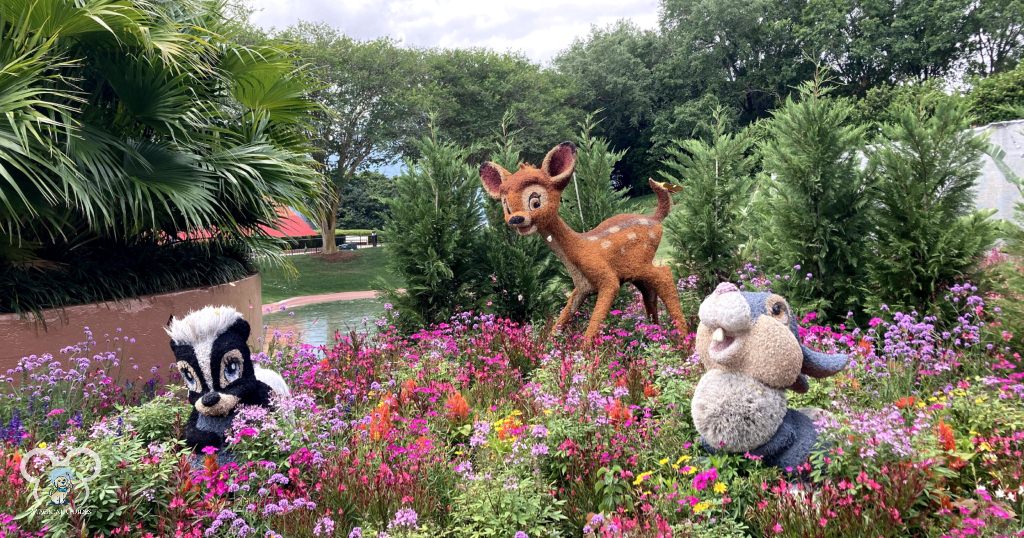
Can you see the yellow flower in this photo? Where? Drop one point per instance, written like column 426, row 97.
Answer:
column 662, row 461
column 701, row 506
column 690, row 470
column 720, row 488
column 682, row 459
column 641, row 477
column 984, row 446
column 42, row 444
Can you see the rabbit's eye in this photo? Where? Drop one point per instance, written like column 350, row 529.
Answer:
column 776, row 309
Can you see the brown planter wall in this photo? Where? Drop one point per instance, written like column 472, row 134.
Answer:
column 142, row 318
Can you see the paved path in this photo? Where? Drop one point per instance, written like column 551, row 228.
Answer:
column 319, row 298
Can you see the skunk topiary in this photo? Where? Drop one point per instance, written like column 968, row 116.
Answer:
column 213, row 358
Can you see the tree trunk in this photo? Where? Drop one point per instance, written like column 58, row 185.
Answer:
column 328, row 221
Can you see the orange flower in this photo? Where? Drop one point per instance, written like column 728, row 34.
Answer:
column 380, row 420
column 906, row 402
column 865, row 347
column 946, row 438
column 650, row 390
column 456, row 407
column 408, row 389
column 508, row 428
column 617, row 412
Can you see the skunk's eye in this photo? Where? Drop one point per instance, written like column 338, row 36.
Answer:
column 189, row 376
column 231, row 367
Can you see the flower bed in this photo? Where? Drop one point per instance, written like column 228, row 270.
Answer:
column 482, row 427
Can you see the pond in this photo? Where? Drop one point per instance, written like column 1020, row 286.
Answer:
column 315, row 324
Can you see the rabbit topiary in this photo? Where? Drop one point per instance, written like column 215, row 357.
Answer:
column 750, row 348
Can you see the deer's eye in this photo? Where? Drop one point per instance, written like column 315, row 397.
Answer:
column 535, row 202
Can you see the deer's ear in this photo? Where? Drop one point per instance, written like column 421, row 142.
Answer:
column 491, row 175
column 559, row 163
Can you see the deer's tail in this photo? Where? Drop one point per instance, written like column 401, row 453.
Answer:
column 664, row 193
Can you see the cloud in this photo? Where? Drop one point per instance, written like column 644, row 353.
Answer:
column 537, row 28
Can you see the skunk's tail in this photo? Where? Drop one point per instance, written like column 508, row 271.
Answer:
column 664, row 193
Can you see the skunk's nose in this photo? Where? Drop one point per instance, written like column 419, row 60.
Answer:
column 211, row 399
column 516, row 220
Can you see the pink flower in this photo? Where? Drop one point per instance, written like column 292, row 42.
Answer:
column 777, row 529
column 54, row 413
column 875, row 322
column 248, row 432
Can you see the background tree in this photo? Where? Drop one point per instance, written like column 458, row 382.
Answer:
column 816, row 205
column 926, row 229
column 363, row 200
column 433, row 234
column 614, row 70
column 998, row 35
column 471, row 90
column 998, row 97
column 591, row 197
column 706, row 229
column 370, row 106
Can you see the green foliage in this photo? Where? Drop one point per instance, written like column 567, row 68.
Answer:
column 706, row 229
column 815, row 209
column 104, row 270
column 160, row 419
column 521, row 269
column 591, row 197
column 998, row 97
column 927, row 232
column 434, row 228
column 362, row 200
column 471, row 91
column 134, row 120
column 880, row 102
column 369, row 103
column 503, row 504
column 124, row 488
column 614, row 70
column 998, row 28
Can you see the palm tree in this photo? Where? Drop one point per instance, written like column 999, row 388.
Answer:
column 128, row 121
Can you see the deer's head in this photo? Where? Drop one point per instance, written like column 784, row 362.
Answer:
column 530, row 197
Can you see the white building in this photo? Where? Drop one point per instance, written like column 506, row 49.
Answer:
column 994, row 191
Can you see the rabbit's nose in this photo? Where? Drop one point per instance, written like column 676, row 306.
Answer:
column 725, row 309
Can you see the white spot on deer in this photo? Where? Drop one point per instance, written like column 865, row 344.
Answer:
column 614, row 230
column 606, row 244
column 653, row 236
column 631, row 236
column 592, row 238
column 645, row 222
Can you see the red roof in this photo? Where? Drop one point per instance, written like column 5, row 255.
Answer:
column 289, row 224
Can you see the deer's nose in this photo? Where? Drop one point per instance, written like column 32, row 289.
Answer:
column 516, row 220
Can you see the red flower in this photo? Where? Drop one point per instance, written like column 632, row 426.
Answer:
column 617, row 412
column 906, row 402
column 456, row 408
column 946, row 438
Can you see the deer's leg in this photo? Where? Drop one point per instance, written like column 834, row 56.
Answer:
column 665, row 286
column 605, row 296
column 576, row 299
column 650, row 299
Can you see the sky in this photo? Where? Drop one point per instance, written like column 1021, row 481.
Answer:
column 537, row 28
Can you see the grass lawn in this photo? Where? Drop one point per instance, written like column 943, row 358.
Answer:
column 346, row 271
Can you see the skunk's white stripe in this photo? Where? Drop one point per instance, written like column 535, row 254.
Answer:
column 203, row 350
column 273, row 380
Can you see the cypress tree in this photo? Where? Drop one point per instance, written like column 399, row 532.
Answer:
column 591, row 197
column 706, row 227
column 927, row 231
column 433, row 234
column 816, row 202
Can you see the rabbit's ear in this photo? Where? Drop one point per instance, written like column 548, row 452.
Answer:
column 822, row 364
column 800, row 385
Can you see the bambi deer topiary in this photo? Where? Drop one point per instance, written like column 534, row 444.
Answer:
column 620, row 249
